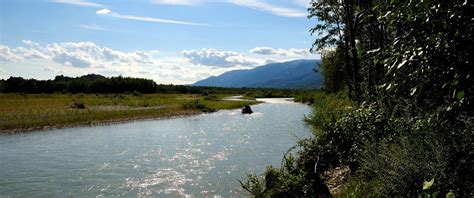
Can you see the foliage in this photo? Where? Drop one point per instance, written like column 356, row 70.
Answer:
column 328, row 108
column 211, row 97
column 135, row 86
column 408, row 67
column 84, row 84
column 27, row 112
column 273, row 93
column 333, row 70
column 197, row 105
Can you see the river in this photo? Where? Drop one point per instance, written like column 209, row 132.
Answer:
column 197, row 156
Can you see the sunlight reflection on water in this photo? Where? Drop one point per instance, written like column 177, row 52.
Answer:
column 196, row 156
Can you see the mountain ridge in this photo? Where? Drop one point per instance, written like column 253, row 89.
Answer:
column 290, row 74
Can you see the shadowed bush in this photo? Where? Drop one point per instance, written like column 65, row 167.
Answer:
column 197, row 105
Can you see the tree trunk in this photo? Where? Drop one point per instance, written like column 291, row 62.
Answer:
column 352, row 43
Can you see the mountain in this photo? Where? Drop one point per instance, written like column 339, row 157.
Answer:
column 292, row 74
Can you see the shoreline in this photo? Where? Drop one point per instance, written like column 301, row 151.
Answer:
column 31, row 113
column 170, row 115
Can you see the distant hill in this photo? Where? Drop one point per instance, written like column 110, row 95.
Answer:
column 292, row 74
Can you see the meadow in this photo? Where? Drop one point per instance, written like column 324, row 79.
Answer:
column 31, row 112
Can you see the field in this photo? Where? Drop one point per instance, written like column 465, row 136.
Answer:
column 30, row 112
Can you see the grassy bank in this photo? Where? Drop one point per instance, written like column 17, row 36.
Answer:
column 29, row 112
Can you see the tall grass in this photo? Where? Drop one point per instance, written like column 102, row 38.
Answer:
column 21, row 112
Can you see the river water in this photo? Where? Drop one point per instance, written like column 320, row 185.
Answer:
column 196, row 156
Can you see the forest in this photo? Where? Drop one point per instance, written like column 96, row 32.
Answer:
column 98, row 84
column 397, row 115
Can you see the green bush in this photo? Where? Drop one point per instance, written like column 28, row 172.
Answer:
column 136, row 93
column 197, row 105
column 211, row 97
column 390, row 153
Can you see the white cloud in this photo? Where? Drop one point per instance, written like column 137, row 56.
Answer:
column 30, row 43
column 103, row 11
column 268, row 51
column 88, row 54
column 80, row 58
column 281, row 52
column 28, row 53
column 92, row 27
column 145, row 19
column 80, row 54
column 213, row 57
column 78, row 3
column 301, row 52
column 267, row 7
column 8, row 55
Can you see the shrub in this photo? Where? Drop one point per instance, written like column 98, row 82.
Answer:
column 390, row 153
column 136, row 93
column 197, row 105
column 211, row 97
column 394, row 155
column 77, row 104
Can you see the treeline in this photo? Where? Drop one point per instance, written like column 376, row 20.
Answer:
column 406, row 126
column 84, row 84
column 93, row 83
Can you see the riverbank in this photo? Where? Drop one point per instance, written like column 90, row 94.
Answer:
column 33, row 112
column 202, row 155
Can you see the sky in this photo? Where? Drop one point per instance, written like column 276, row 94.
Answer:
column 169, row 41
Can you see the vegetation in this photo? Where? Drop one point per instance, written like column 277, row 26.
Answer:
column 403, row 122
column 93, row 83
column 30, row 104
column 26, row 112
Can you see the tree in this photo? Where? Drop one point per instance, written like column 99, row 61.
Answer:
column 332, row 70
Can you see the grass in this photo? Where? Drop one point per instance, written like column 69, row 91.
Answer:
column 29, row 112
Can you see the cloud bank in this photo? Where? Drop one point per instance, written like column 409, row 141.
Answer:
column 213, row 57
column 80, row 58
column 6, row 54
column 281, row 52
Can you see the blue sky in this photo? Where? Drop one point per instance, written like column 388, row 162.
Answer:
column 169, row 41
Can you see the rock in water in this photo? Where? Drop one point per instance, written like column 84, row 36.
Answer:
column 247, row 110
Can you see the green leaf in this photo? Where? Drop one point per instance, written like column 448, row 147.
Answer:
column 426, row 4
column 456, row 82
column 450, row 194
column 427, row 184
column 460, row 95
